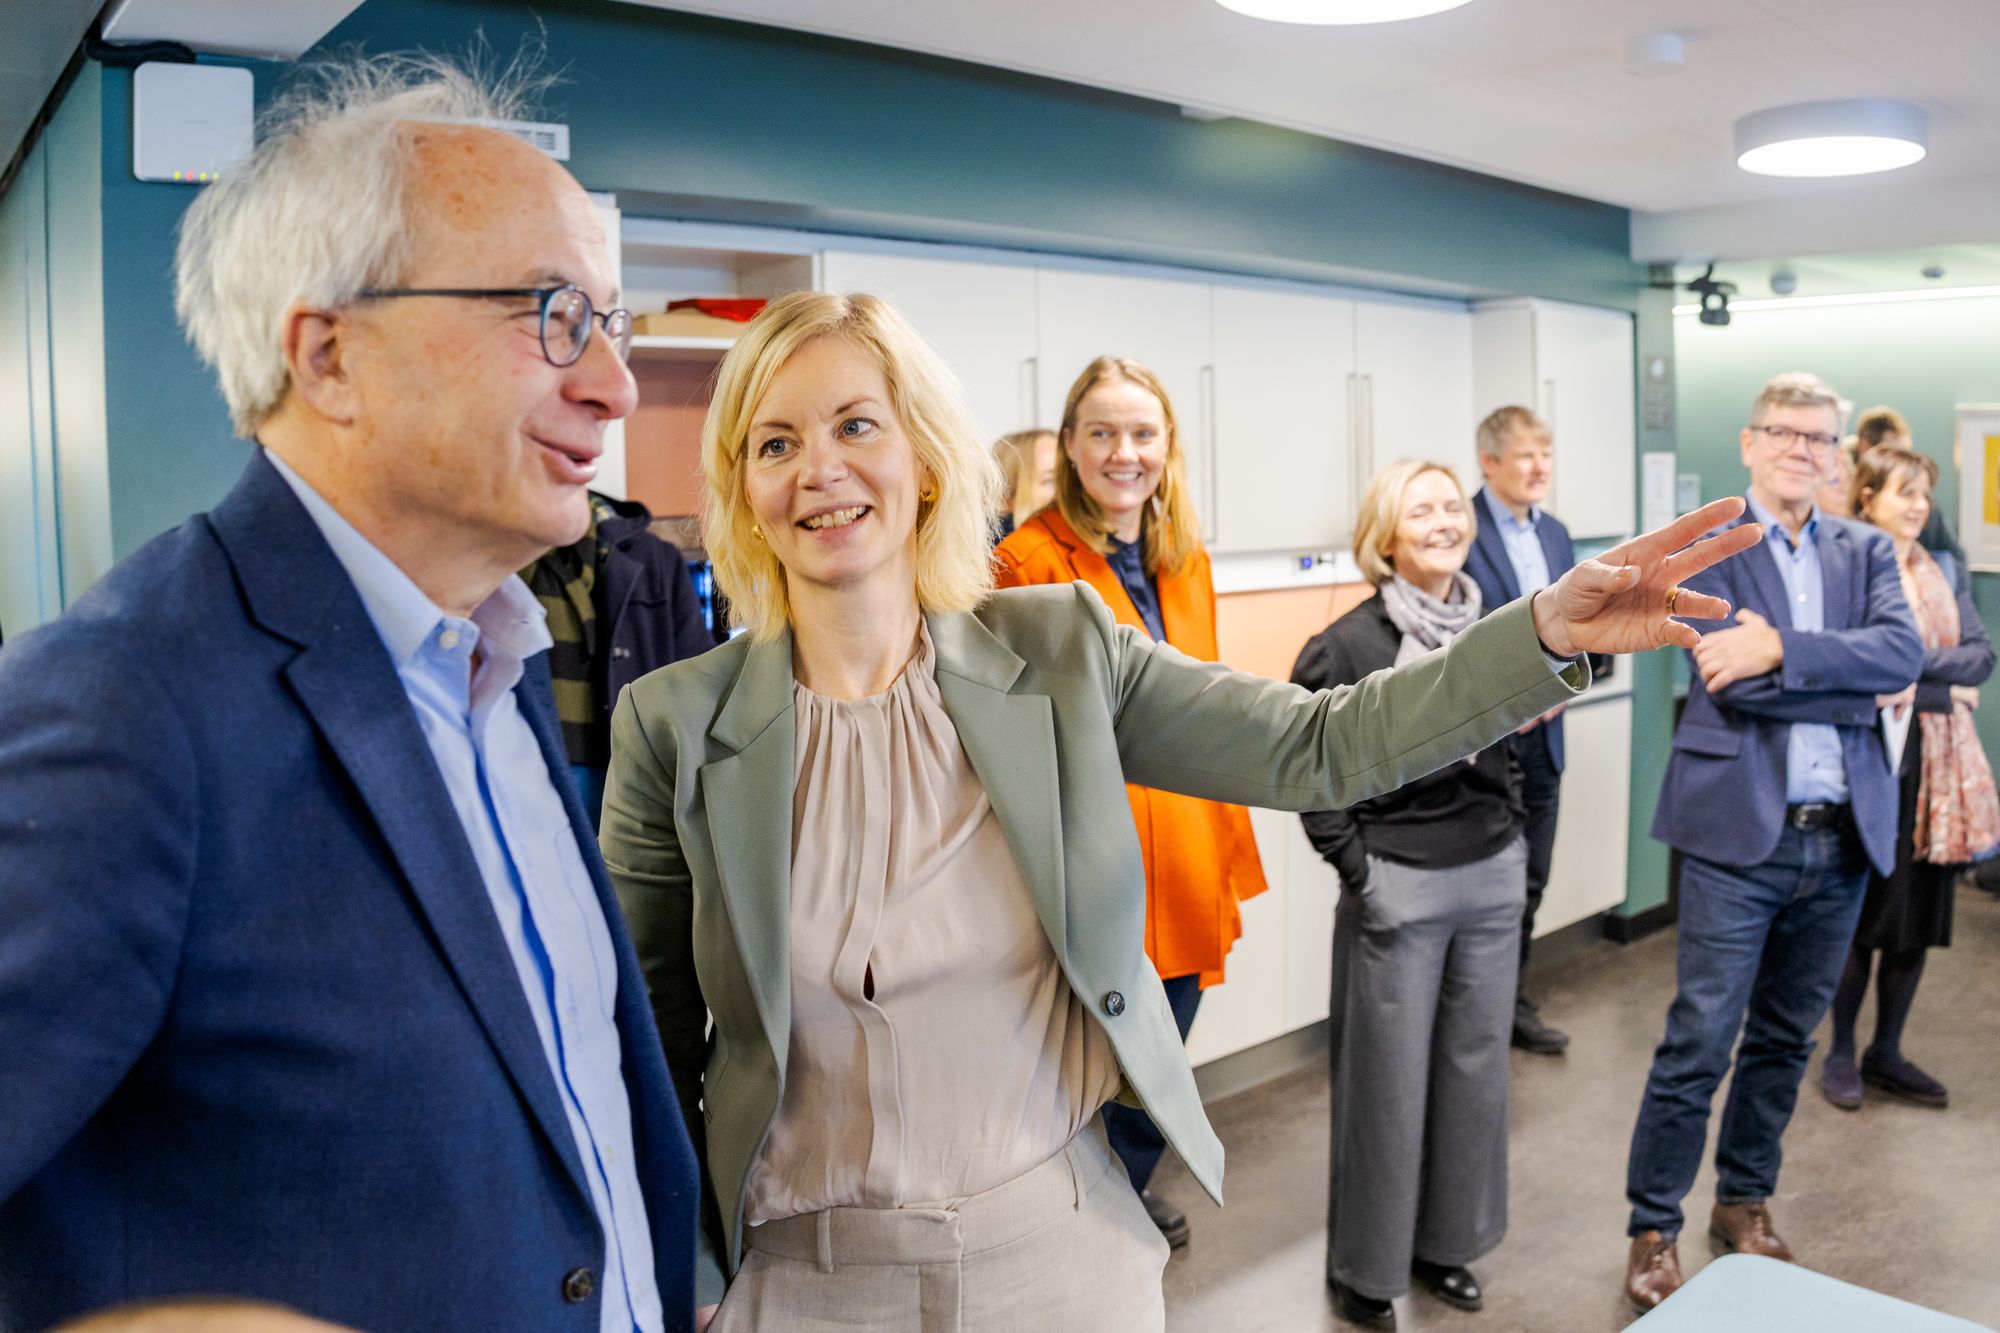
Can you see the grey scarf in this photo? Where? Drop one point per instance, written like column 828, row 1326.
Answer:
column 1426, row 622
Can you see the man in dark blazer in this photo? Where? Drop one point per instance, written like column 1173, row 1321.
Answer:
column 1518, row 548
column 1779, row 795
column 312, row 986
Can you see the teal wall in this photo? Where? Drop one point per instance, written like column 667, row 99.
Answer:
column 690, row 117
column 1652, row 673
column 1920, row 357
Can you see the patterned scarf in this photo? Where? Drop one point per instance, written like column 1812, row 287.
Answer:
column 1958, row 812
column 563, row 581
column 1426, row 622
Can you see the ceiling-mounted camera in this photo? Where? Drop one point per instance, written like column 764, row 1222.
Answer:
column 1714, row 297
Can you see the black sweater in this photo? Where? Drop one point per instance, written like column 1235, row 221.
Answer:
column 1464, row 812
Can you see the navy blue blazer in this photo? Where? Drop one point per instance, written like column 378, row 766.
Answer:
column 1490, row 568
column 1723, row 796
column 260, row 1033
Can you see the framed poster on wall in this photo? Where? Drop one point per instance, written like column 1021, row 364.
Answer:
column 1978, row 454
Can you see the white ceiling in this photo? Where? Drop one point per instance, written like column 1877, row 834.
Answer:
column 1531, row 90
column 227, row 27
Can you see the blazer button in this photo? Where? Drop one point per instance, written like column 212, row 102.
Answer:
column 578, row 1284
column 1114, row 1003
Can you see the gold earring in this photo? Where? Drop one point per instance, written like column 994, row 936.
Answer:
column 757, row 532
column 927, row 494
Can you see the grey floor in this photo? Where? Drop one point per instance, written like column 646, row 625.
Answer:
column 1899, row 1198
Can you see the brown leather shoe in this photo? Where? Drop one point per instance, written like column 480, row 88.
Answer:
column 1652, row 1270
column 1745, row 1228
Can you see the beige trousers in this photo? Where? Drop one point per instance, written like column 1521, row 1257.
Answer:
column 1065, row 1246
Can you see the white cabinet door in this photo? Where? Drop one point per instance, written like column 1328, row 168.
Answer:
column 1415, row 369
column 1585, row 367
column 1282, row 377
column 1250, row 1006
column 981, row 317
column 1162, row 323
column 1592, row 828
column 1574, row 365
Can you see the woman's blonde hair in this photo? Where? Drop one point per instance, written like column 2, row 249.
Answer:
column 1382, row 510
column 954, row 557
column 1172, row 535
column 1015, row 453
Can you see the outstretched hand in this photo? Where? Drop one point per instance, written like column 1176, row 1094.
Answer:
column 1617, row 603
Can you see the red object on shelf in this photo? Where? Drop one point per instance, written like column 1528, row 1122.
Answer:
column 742, row 309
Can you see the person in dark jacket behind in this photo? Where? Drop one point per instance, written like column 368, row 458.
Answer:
column 620, row 604
column 1426, row 941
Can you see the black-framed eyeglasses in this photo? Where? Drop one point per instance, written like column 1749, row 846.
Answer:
column 1818, row 442
column 567, row 316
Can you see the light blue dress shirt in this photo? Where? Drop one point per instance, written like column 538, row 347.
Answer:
column 1815, row 767
column 533, row 873
column 1524, row 546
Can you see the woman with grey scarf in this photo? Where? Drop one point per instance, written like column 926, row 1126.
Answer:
column 1426, row 940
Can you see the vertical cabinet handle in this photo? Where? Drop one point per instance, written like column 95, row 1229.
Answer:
column 1212, row 498
column 1353, row 443
column 1031, row 393
column 1368, row 428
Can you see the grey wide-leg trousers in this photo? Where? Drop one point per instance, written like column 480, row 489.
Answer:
column 1424, row 965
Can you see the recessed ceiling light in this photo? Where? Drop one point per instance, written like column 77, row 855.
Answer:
column 1339, row 11
column 1849, row 137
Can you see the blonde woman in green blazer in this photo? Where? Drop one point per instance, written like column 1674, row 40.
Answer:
column 893, row 1096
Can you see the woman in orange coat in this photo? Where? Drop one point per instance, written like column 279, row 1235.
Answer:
column 1123, row 522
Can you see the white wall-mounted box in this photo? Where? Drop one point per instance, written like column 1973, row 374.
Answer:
column 190, row 123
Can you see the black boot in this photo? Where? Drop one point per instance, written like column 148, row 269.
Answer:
column 1532, row 1034
column 1453, row 1284
column 1365, row 1311
column 1171, row 1221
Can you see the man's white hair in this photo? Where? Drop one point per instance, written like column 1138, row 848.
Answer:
column 315, row 214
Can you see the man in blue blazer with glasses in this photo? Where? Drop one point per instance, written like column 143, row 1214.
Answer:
column 1780, row 796
column 312, row 986
column 1518, row 548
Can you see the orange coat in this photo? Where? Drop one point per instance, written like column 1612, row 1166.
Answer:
column 1201, row 859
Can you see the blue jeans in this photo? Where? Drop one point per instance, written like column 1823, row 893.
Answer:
column 1766, row 940
column 1134, row 1137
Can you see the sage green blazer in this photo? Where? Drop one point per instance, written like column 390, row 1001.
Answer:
column 1058, row 708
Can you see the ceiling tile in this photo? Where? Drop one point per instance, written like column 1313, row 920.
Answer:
column 1534, row 90
column 1945, row 48
column 1729, row 74
column 1062, row 37
column 1293, row 75
column 811, row 15
column 1511, row 33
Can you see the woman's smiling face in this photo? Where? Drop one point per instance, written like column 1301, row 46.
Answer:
column 1119, row 446
column 830, row 474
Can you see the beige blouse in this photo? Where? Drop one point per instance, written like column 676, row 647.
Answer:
column 936, row 1050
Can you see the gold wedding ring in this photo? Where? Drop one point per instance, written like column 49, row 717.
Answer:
column 1673, row 596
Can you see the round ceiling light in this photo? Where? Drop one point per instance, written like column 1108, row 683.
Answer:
column 1849, row 137
column 1339, row 11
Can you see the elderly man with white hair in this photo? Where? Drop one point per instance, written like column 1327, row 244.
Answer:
column 312, row 987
